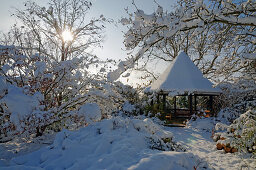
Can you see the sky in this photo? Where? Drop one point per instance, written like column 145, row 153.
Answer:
column 114, row 9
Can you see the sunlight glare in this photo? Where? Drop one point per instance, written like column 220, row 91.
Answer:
column 67, row 35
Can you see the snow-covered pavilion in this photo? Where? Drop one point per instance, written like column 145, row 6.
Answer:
column 183, row 78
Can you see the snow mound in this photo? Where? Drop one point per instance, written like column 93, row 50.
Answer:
column 91, row 112
column 166, row 160
column 201, row 123
column 117, row 143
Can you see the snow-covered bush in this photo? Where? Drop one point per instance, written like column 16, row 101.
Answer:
column 128, row 107
column 61, row 88
column 240, row 135
column 240, row 92
column 21, row 113
column 25, row 114
column 91, row 112
column 130, row 110
column 236, row 99
column 58, row 82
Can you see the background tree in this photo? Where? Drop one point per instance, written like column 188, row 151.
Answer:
column 58, row 39
column 63, row 29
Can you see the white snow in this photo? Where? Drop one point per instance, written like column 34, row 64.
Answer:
column 126, row 143
column 128, row 107
column 198, row 141
column 202, row 123
column 117, row 143
column 91, row 112
column 183, row 76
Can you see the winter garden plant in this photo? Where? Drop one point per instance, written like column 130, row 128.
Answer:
column 240, row 135
column 39, row 80
column 236, row 98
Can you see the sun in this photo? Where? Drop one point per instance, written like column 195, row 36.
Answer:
column 67, row 35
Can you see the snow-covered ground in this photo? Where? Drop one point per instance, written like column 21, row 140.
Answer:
column 124, row 143
column 200, row 143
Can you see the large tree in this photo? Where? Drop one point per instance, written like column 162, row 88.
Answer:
column 218, row 34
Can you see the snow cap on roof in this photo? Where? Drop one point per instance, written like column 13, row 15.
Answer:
column 182, row 76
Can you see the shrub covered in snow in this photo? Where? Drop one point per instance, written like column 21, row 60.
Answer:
column 130, row 110
column 91, row 112
column 128, row 107
column 52, row 92
column 24, row 114
column 20, row 112
column 61, row 83
column 240, row 135
column 236, row 99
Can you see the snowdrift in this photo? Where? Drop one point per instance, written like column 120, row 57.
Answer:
column 116, row 143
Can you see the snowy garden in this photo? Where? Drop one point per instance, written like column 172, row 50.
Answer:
column 62, row 107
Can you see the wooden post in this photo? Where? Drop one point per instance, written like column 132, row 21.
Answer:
column 164, row 102
column 211, row 104
column 190, row 104
column 158, row 101
column 175, row 105
column 195, row 102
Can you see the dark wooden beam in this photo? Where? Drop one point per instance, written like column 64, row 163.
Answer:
column 164, row 102
column 158, row 101
column 195, row 102
column 175, row 106
column 190, row 104
column 211, row 104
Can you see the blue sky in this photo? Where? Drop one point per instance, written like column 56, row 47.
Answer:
column 114, row 9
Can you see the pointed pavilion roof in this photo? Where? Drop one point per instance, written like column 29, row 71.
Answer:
column 182, row 76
